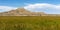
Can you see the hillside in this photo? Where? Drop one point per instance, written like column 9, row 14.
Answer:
column 21, row 12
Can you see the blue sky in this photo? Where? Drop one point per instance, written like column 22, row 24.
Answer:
column 14, row 3
column 17, row 3
column 43, row 5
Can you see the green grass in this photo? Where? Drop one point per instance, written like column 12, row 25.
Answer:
column 29, row 23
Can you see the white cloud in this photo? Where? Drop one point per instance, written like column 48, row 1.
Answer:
column 42, row 7
column 6, row 8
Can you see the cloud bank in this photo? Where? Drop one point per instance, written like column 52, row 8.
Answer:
column 6, row 8
column 43, row 7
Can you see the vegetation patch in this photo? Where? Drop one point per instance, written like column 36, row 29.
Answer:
column 29, row 23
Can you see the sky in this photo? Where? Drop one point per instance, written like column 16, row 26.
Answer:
column 47, row 6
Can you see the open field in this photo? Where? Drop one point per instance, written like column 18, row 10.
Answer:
column 29, row 23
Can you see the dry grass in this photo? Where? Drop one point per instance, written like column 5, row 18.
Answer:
column 29, row 23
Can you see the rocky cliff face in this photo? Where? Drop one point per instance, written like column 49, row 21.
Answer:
column 21, row 12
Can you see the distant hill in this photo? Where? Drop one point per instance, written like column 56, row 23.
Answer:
column 24, row 12
column 21, row 12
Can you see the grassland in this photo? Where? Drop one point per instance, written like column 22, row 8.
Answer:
column 29, row 23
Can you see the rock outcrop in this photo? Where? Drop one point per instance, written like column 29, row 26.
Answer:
column 21, row 12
